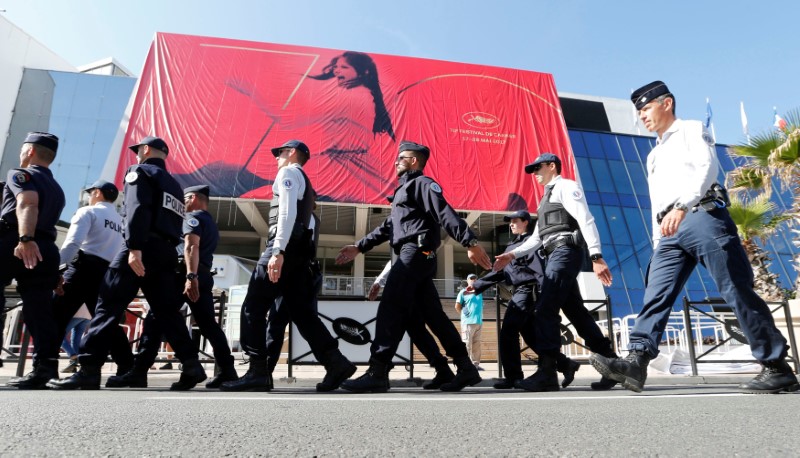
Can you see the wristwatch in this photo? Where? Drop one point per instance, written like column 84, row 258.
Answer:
column 191, row 276
column 680, row 206
column 25, row 238
column 472, row 243
column 277, row 251
column 596, row 257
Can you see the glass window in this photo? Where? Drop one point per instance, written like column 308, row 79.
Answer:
column 617, row 225
column 587, row 177
column 576, row 140
column 632, row 274
column 620, row 176
column 610, row 147
column 602, row 175
column 593, row 146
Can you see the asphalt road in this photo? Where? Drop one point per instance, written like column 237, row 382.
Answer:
column 707, row 420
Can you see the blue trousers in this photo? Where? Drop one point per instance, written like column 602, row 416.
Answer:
column 709, row 239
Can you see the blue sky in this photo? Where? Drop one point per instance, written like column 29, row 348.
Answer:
column 729, row 51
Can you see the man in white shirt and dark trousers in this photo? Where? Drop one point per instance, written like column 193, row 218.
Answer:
column 691, row 225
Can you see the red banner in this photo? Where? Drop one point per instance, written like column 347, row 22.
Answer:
column 222, row 104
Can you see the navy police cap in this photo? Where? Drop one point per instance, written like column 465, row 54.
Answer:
column 296, row 144
column 406, row 145
column 546, row 157
column 648, row 92
column 521, row 214
column 49, row 141
column 199, row 189
column 152, row 142
column 109, row 189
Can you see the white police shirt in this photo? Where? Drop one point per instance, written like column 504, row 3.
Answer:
column 289, row 186
column 569, row 194
column 681, row 168
column 95, row 229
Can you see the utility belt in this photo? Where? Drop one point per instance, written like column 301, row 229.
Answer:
column 715, row 198
column 528, row 284
column 159, row 236
column 201, row 268
column 422, row 243
column 7, row 228
column 563, row 239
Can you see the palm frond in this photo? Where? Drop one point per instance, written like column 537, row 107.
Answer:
column 754, row 217
column 749, row 177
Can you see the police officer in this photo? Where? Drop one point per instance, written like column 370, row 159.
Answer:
column 93, row 240
column 418, row 211
column 32, row 203
column 691, row 225
column 153, row 217
column 564, row 226
column 525, row 275
column 200, row 239
column 284, row 282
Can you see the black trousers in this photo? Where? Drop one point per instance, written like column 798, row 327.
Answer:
column 203, row 314
column 82, row 281
column 410, row 296
column 516, row 323
column 35, row 286
column 120, row 286
column 292, row 298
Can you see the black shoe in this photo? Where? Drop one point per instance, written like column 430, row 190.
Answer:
column 227, row 375
column 84, row 379
column 192, row 374
column 568, row 370
column 774, row 378
column 604, row 384
column 166, row 367
column 257, row 378
column 338, row 369
column 544, row 379
column 375, row 380
column 505, row 384
column 466, row 375
column 38, row 378
column 131, row 379
column 443, row 375
column 631, row 372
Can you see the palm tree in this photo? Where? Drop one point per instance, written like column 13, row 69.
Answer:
column 773, row 154
column 755, row 218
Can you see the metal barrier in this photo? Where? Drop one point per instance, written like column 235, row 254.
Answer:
column 730, row 326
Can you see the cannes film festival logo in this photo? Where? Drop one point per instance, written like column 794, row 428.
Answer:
column 481, row 120
column 351, row 331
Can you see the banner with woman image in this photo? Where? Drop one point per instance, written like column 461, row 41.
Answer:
column 222, row 104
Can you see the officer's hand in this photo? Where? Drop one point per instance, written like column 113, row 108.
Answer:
column 373, row 292
column 60, row 286
column 469, row 289
column 192, row 290
column 135, row 261
column 274, row 268
column 477, row 255
column 670, row 223
column 29, row 253
column 502, row 260
column 346, row 254
column 602, row 271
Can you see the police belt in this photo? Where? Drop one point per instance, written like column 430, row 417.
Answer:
column 557, row 242
column 159, row 236
column 7, row 228
column 529, row 284
column 711, row 201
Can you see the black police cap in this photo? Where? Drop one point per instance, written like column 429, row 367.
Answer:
column 152, row 142
column 110, row 191
column 296, row 144
column 546, row 157
column 648, row 92
column 406, row 145
column 49, row 141
column 521, row 214
column 199, row 189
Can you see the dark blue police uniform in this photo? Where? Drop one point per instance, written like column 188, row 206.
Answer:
column 36, row 285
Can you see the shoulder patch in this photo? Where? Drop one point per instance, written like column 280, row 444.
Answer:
column 21, row 177
column 707, row 138
column 577, row 194
column 287, row 183
column 131, row 177
column 193, row 222
column 436, row 188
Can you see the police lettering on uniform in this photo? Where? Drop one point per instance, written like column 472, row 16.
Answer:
column 564, row 226
column 284, row 281
column 152, row 229
column 691, row 225
column 93, row 240
column 32, row 203
column 419, row 210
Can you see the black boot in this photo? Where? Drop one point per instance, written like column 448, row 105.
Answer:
column 375, row 380
column 87, row 378
column 567, row 367
column 38, row 378
column 338, row 369
column 443, row 375
column 192, row 373
column 545, row 378
column 134, row 378
column 257, row 378
column 776, row 376
column 466, row 375
column 227, row 373
column 506, row 384
column 631, row 371
column 604, row 384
